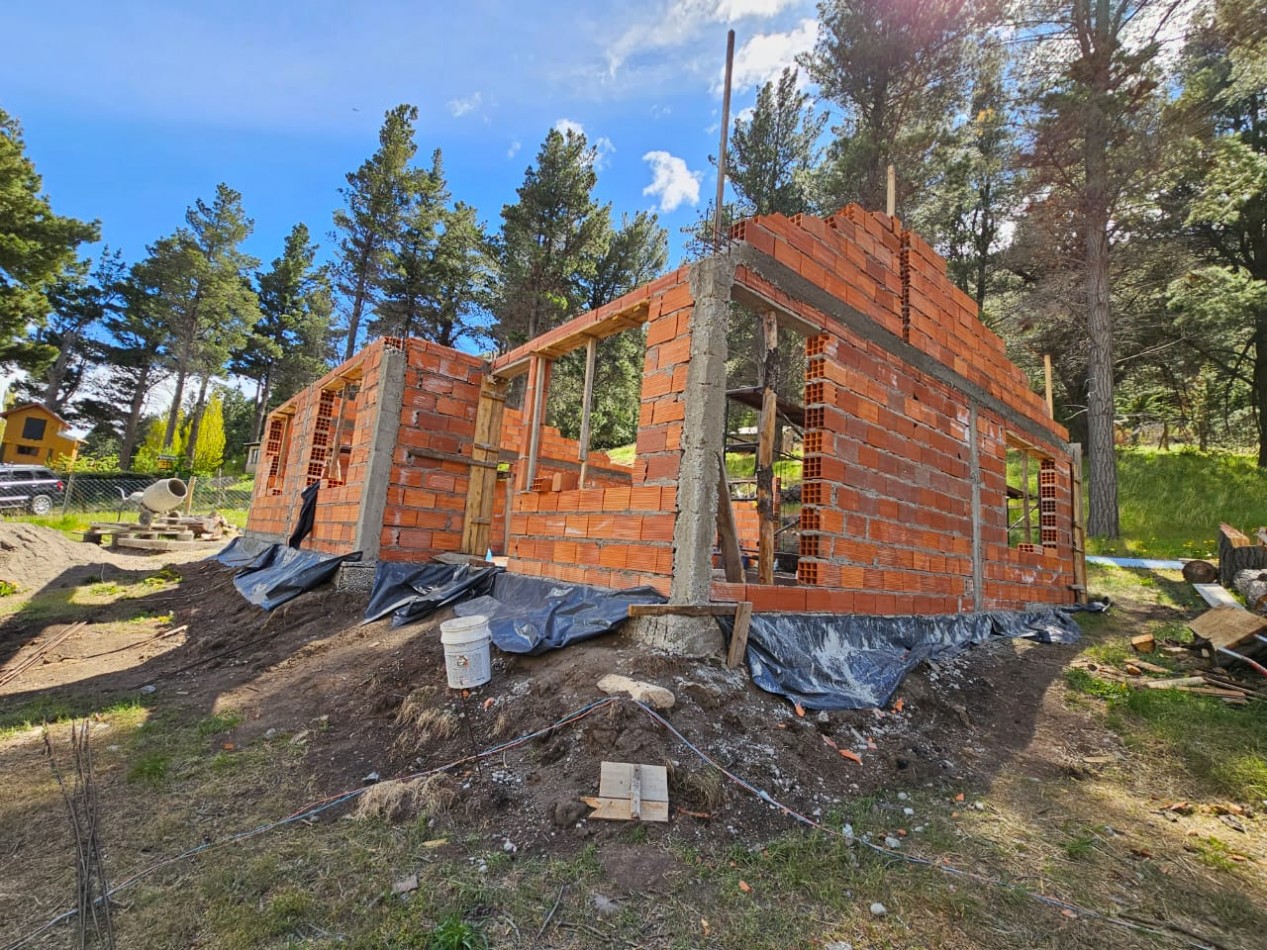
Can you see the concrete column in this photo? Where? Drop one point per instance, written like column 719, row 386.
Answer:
column 386, row 425
column 703, row 431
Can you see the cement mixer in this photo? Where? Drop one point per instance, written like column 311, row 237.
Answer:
column 160, row 498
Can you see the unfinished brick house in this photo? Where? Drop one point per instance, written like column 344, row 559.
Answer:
column 911, row 411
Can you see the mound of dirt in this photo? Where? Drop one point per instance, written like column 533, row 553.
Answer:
column 32, row 555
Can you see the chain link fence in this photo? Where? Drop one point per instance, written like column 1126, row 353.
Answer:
column 115, row 497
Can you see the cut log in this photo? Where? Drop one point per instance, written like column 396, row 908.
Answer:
column 1252, row 585
column 1238, row 553
column 1144, row 643
column 1200, row 572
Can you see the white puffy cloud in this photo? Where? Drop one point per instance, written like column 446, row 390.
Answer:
column 679, row 21
column 564, row 126
column 603, row 146
column 671, row 181
column 764, row 56
column 515, row 146
column 460, row 107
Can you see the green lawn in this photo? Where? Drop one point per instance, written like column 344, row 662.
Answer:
column 1171, row 503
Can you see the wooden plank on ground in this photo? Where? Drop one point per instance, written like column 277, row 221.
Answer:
column 739, row 636
column 1216, row 595
column 631, row 791
column 1227, row 626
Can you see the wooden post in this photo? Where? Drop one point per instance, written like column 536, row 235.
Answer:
column 767, row 504
column 481, row 493
column 1079, row 524
column 891, row 204
column 727, row 534
column 739, row 635
column 70, row 488
column 189, row 498
column 1051, row 403
column 537, row 397
column 1025, row 518
column 587, row 405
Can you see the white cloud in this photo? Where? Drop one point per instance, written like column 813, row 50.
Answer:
column 675, row 23
column 603, row 146
column 764, row 56
column 671, row 181
column 515, row 146
column 730, row 11
column 460, row 107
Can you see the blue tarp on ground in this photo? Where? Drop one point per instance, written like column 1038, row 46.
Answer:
column 280, row 574
column 412, row 592
column 834, row 661
column 536, row 614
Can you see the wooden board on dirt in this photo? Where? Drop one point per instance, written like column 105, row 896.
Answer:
column 1227, row 626
column 631, row 792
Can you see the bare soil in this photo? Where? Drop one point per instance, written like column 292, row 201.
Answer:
column 311, row 703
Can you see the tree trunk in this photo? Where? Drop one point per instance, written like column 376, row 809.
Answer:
column 57, row 374
column 354, row 318
column 173, row 414
column 128, row 444
column 261, row 408
column 1103, row 520
column 191, row 444
column 1260, row 384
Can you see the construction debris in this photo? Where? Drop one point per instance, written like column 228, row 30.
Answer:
column 657, row 697
column 1224, row 627
column 1144, row 643
column 630, row 792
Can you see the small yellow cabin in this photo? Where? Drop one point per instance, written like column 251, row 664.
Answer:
column 33, row 436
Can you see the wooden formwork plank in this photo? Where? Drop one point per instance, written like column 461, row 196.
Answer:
column 481, row 494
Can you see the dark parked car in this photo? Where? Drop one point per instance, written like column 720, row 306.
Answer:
column 31, row 487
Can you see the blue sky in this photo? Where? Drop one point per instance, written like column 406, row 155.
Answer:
column 132, row 109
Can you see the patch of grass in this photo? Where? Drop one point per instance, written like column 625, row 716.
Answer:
column 8, row 588
column 105, row 589
column 1082, row 681
column 454, row 933
column 218, row 723
column 1224, row 747
column 1213, row 853
column 1170, row 503
column 49, row 710
column 151, row 769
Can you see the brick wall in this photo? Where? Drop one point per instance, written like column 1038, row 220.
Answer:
column 886, row 518
column 426, row 496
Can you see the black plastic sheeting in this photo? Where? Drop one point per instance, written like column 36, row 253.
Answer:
column 827, row 661
column 245, row 552
column 536, row 614
column 411, row 592
column 280, row 574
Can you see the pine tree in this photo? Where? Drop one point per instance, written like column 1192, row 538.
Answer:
column 774, row 153
column 377, row 198
column 197, row 284
column 287, row 346
column 437, row 271
column 973, row 189
column 551, row 241
column 65, row 346
column 1094, row 144
column 36, row 244
column 898, row 71
column 1223, row 299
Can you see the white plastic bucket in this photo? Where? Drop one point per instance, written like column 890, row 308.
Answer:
column 466, row 657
